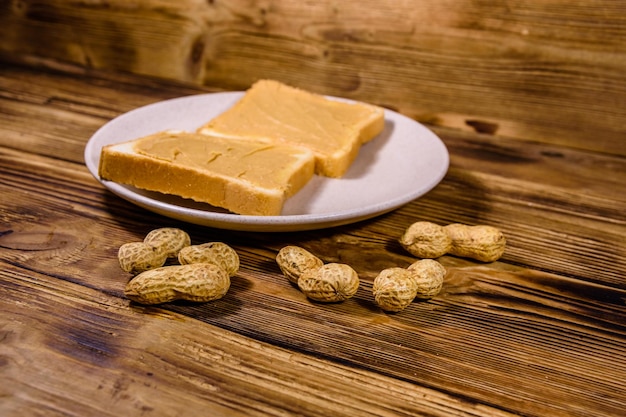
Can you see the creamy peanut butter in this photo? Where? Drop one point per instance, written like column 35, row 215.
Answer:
column 274, row 112
column 316, row 122
column 264, row 164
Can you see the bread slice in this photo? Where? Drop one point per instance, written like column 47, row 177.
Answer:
column 274, row 112
column 246, row 177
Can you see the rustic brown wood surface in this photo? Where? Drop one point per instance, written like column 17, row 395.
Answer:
column 540, row 332
column 551, row 71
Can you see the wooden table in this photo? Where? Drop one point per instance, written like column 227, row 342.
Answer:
column 541, row 332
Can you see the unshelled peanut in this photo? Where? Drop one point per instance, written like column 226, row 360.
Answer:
column 329, row 283
column 217, row 253
column 483, row 243
column 428, row 276
column 293, row 261
column 426, row 240
column 394, row 289
column 169, row 240
column 137, row 257
column 200, row 282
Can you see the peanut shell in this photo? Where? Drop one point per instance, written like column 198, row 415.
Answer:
column 137, row 257
column 195, row 282
column 394, row 289
column 427, row 275
column 217, row 253
column 294, row 260
column 426, row 240
column 169, row 240
column 329, row 283
column 483, row 243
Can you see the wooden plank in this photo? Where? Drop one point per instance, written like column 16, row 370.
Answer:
column 548, row 71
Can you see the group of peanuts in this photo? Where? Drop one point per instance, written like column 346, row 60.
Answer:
column 203, row 273
column 205, row 270
column 394, row 288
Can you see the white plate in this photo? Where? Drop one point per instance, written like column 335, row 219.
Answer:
column 403, row 163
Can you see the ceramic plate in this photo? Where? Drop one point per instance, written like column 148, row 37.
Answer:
column 401, row 164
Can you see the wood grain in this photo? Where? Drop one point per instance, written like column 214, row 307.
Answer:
column 104, row 357
column 540, row 332
column 544, row 71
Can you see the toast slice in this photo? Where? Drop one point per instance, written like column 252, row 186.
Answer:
column 276, row 113
column 245, row 177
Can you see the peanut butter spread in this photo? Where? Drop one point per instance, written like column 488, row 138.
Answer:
column 271, row 110
column 263, row 164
